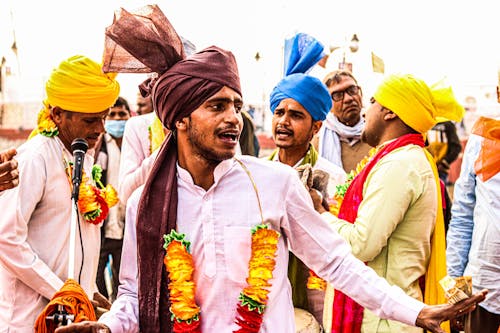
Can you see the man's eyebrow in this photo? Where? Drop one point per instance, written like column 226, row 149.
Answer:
column 224, row 99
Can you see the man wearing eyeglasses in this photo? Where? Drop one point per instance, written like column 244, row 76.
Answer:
column 339, row 139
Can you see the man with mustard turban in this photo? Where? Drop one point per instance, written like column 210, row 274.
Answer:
column 207, row 237
column 36, row 215
column 391, row 212
column 300, row 103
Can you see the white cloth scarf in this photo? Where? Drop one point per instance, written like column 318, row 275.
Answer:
column 332, row 133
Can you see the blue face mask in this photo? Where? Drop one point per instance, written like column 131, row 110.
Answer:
column 115, row 128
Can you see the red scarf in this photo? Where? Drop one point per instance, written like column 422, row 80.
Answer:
column 347, row 314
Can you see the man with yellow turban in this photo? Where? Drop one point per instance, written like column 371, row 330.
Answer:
column 391, row 212
column 36, row 216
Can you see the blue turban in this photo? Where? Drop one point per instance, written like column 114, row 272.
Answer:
column 301, row 53
column 309, row 91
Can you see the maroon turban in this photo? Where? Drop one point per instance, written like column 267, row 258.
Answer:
column 175, row 94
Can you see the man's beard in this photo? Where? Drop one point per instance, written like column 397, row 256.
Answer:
column 197, row 140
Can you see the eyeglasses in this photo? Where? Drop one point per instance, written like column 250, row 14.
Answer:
column 337, row 96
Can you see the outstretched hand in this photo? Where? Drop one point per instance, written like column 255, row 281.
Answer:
column 9, row 175
column 84, row 327
column 431, row 317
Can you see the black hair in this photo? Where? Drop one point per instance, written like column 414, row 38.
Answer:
column 120, row 101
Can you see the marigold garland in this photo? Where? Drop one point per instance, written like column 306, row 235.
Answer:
column 314, row 281
column 252, row 300
column 45, row 124
column 180, row 267
column 93, row 203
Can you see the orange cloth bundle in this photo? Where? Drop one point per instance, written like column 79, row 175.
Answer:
column 487, row 165
column 75, row 301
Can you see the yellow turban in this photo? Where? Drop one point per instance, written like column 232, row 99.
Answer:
column 416, row 104
column 80, row 85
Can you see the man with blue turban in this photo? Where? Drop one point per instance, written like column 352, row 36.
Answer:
column 300, row 103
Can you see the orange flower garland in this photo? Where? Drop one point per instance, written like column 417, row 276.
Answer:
column 314, row 281
column 93, row 203
column 253, row 299
column 45, row 124
column 180, row 267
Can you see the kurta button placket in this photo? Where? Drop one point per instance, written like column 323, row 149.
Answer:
column 208, row 235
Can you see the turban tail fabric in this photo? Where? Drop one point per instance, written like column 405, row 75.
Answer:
column 182, row 85
column 302, row 52
column 416, row 104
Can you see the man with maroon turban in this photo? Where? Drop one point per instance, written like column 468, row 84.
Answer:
column 228, row 223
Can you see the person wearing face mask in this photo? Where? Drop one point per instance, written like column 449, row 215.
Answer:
column 109, row 160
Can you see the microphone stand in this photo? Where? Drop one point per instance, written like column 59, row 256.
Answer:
column 61, row 317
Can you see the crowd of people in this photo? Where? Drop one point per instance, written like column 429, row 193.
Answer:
column 346, row 222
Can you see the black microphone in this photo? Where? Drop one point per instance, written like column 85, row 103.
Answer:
column 79, row 148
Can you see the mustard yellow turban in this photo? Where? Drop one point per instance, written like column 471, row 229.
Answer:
column 79, row 85
column 416, row 104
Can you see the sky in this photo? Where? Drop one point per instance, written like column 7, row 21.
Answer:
column 432, row 39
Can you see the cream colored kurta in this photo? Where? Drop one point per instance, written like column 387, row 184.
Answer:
column 34, row 235
column 394, row 225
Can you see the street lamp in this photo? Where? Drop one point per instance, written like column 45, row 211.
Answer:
column 353, row 47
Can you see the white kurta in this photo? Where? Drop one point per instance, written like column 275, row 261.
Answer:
column 34, row 235
column 218, row 224
column 136, row 158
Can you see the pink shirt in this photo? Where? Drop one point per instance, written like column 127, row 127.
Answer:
column 218, row 224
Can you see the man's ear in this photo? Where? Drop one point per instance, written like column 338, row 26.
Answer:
column 389, row 115
column 182, row 124
column 316, row 126
column 56, row 113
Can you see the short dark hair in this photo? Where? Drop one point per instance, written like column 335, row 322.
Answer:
column 336, row 77
column 120, row 101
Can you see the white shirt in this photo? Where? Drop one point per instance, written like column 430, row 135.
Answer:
column 218, row 224
column 136, row 158
column 110, row 163
column 474, row 231
column 34, row 235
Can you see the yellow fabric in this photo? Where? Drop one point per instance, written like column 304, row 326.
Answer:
column 436, row 269
column 156, row 134
column 79, row 85
column 416, row 104
column 381, row 227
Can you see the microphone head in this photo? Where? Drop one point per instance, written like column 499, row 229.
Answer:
column 79, row 145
